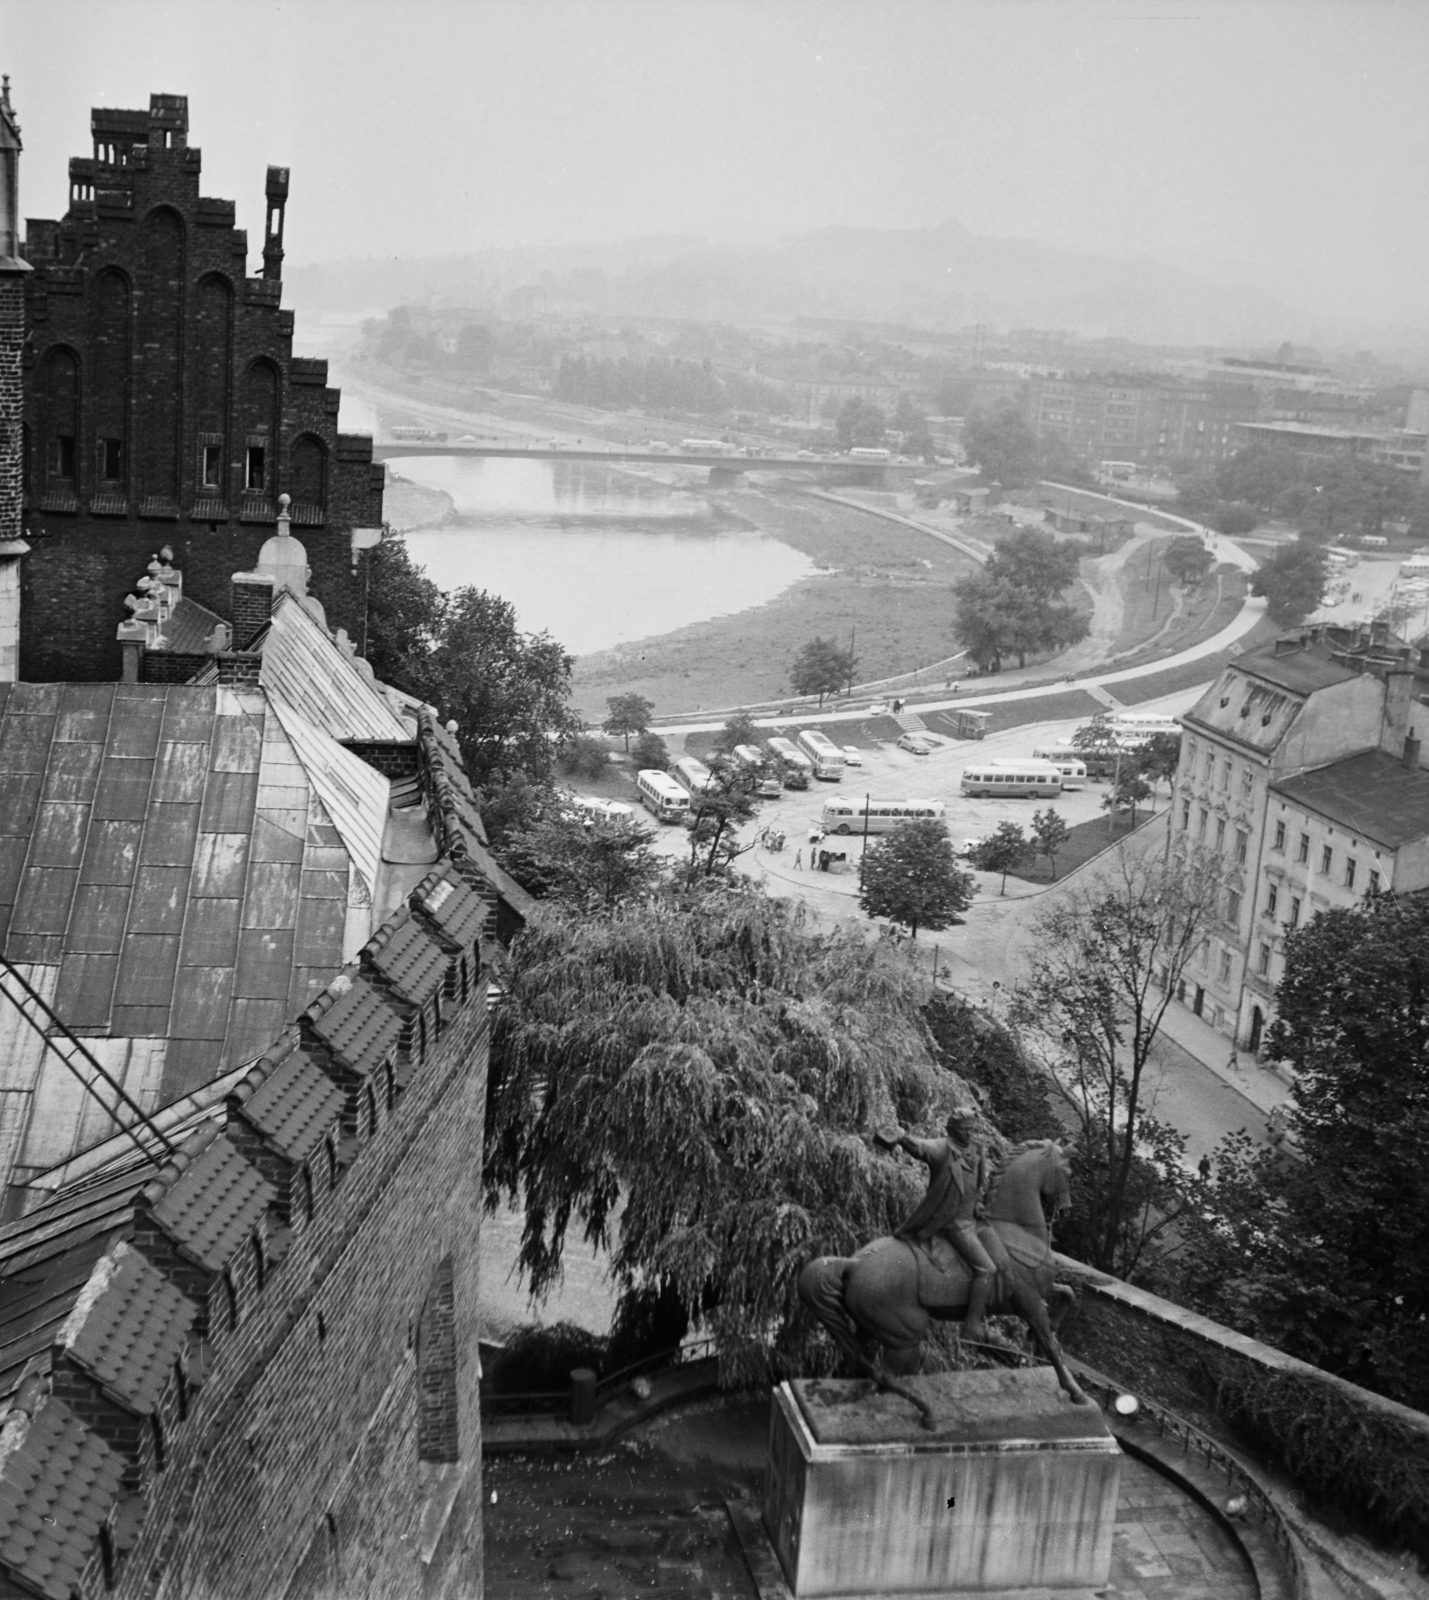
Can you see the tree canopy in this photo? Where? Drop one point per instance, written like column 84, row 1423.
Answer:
column 911, row 876
column 1011, row 605
column 1003, row 447
column 859, row 422
column 1292, row 582
column 627, row 714
column 717, row 1068
column 1322, row 1254
column 822, row 667
column 1001, row 851
column 589, row 864
column 1187, row 559
column 404, row 617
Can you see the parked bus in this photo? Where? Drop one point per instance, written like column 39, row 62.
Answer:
column 795, row 766
column 968, row 724
column 1131, row 729
column 691, row 774
column 878, row 816
column 826, row 756
column 660, row 794
column 752, row 758
column 1017, row 779
column 1069, row 762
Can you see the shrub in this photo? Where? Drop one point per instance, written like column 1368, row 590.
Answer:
column 651, row 751
column 585, row 756
column 539, row 1358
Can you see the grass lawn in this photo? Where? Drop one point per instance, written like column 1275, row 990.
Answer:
column 1085, row 840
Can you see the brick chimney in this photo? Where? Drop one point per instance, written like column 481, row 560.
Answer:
column 1398, row 700
column 252, row 606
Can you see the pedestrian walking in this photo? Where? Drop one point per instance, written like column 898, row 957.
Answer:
column 1204, row 1168
column 799, row 858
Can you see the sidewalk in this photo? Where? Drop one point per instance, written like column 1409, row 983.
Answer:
column 1258, row 1082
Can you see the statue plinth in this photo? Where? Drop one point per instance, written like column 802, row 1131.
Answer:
column 1015, row 1488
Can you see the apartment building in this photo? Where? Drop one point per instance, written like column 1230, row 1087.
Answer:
column 1266, row 755
column 1152, row 421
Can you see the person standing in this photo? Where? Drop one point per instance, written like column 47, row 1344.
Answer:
column 799, row 858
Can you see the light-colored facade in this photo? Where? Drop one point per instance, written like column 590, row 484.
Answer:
column 1270, row 718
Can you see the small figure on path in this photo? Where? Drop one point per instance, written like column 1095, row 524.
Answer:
column 1204, row 1168
column 799, row 859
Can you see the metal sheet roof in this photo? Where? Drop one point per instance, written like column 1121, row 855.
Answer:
column 303, row 667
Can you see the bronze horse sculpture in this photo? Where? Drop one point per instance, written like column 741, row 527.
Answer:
column 892, row 1290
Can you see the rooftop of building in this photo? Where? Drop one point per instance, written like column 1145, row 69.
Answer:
column 1373, row 796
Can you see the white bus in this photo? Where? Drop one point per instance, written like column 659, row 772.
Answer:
column 691, row 774
column 797, row 766
column 828, row 759
column 660, row 794
column 751, row 757
column 1067, row 761
column 880, row 816
column 1131, row 728
column 706, row 447
column 1018, row 779
column 863, row 452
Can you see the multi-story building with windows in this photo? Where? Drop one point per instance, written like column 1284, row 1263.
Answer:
column 1269, row 747
column 1151, row 421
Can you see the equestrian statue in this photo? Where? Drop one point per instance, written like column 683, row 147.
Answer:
column 979, row 1242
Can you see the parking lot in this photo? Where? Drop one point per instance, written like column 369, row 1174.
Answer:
column 889, row 773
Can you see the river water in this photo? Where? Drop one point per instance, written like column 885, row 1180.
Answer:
column 590, row 554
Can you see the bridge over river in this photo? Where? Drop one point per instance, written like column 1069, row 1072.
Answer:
column 736, row 462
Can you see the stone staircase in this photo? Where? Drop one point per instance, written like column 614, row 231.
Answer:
column 911, row 722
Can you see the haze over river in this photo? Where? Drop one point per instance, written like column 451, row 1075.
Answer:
column 594, row 556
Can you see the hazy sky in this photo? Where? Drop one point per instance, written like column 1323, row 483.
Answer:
column 1281, row 144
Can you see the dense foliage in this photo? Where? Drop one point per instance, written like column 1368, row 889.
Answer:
column 1292, row 582
column 1002, row 851
column 911, row 876
column 1012, row 605
column 1018, row 1093
column 1323, row 1254
column 716, row 1069
column 627, row 714
column 822, row 667
column 1187, row 559
column 588, row 863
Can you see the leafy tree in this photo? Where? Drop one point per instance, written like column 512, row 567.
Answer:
column 859, row 423
column 1159, row 758
column 505, row 689
column 1107, row 958
column 822, row 667
column 715, row 812
column 584, row 756
column 512, row 803
column 473, row 346
column 627, row 714
column 1001, row 851
column 739, row 729
column 651, row 753
column 586, row 864
column 711, row 1065
column 405, row 610
column 1323, row 1256
column 1233, row 516
column 1003, row 446
column 1011, row 605
column 1097, row 742
column 1049, row 834
column 1293, row 582
column 912, row 876
column 1187, row 560
column 1128, row 791
column 1036, row 561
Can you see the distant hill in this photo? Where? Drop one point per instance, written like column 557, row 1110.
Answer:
column 939, row 278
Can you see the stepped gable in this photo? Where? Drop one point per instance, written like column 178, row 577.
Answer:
column 166, row 402
column 214, row 1202
column 58, row 1483
column 406, row 959
column 356, row 1024
column 129, row 1329
column 451, row 907
column 289, row 1101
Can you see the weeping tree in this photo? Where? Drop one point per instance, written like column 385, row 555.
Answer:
column 713, row 1068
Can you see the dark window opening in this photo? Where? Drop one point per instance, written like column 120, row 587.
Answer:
column 211, row 467
column 309, row 1203
column 111, row 460
column 157, row 1429
column 256, row 477
column 62, row 457
column 230, row 1295
column 260, row 1265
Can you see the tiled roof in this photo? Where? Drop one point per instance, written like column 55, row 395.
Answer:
column 1372, row 795
column 452, row 905
column 355, row 1022
column 215, row 1202
column 57, row 1484
column 404, row 954
column 1246, row 709
column 129, row 1329
column 189, row 628
column 1301, row 671
column 291, row 1102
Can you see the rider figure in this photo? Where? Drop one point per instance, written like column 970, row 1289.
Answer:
column 957, row 1177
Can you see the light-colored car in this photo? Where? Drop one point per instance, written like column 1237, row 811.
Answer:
column 916, row 743
column 967, row 847
column 853, row 756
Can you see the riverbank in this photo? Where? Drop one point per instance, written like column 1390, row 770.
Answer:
column 887, row 587
column 408, row 507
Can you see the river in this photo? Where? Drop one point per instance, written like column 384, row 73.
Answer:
column 593, row 555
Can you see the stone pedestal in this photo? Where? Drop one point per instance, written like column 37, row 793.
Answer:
column 1017, row 1487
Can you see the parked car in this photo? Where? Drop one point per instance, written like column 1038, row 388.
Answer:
column 853, row 756
column 916, row 743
